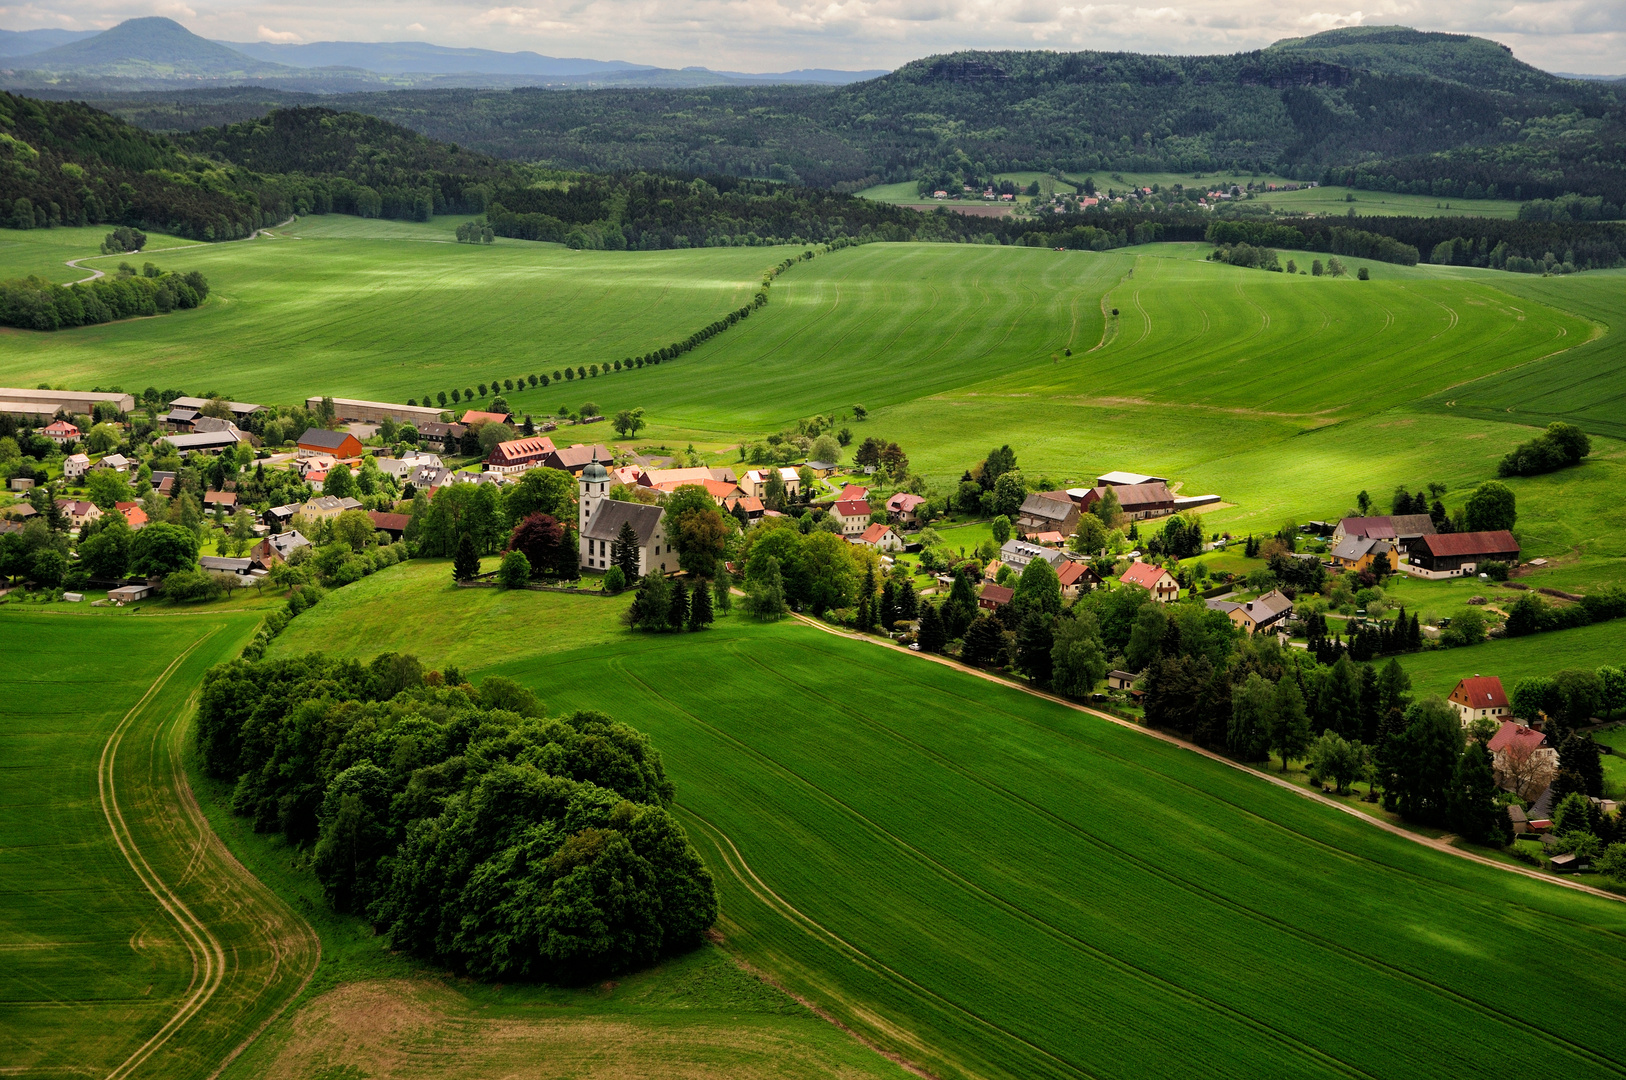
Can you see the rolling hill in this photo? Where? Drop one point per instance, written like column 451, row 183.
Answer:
column 152, row 47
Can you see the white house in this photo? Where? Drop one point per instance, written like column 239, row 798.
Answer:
column 74, row 466
column 853, row 515
column 599, row 519
column 755, row 482
column 881, row 538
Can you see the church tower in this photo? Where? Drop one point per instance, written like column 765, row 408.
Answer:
column 593, row 488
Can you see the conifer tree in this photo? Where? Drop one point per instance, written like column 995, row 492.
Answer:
column 466, row 563
column 700, row 607
column 889, row 606
column 908, row 603
column 933, row 635
column 678, row 610
column 722, row 587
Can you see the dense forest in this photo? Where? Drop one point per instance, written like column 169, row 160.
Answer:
column 1383, row 108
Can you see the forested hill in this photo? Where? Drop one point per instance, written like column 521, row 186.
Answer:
column 1385, row 108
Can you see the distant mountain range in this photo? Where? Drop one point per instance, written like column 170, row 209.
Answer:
column 158, row 54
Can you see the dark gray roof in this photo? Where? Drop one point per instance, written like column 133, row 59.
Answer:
column 1037, row 505
column 331, row 440
column 611, row 513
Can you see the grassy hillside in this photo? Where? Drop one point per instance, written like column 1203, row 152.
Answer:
column 943, row 864
column 129, row 938
column 1587, row 647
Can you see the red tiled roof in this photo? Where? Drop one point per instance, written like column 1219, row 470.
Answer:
column 1497, row 542
column 873, row 534
column 1480, row 692
column 997, row 594
column 1071, row 572
column 853, row 492
column 1515, row 736
column 519, row 451
column 390, row 522
column 474, row 416
column 904, row 501
column 852, row 508
column 132, row 512
column 1051, row 537
column 1143, row 574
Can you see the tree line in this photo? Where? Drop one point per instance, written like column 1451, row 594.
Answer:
column 32, row 303
column 463, row 822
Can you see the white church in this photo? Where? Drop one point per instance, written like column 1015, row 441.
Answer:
column 599, row 519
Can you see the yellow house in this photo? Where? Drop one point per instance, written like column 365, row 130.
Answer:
column 1357, row 553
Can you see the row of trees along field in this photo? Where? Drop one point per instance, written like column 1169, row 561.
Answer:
column 467, row 825
column 33, row 303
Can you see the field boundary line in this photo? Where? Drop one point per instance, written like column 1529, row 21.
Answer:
column 199, row 941
column 1437, row 845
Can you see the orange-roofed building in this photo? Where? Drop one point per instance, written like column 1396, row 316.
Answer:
column 474, row 416
column 133, row 513
column 881, row 538
column 1154, row 579
column 1480, row 698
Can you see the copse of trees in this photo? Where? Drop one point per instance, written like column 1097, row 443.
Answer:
column 33, row 303
column 469, row 827
column 1560, row 446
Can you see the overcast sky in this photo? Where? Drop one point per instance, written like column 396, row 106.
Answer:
column 1587, row 36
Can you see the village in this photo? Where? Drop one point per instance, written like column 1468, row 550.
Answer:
column 190, row 499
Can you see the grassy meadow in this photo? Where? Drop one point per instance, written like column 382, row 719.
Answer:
column 130, row 940
column 992, row 885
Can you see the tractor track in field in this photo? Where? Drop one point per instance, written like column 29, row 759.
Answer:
column 1314, row 796
column 212, row 961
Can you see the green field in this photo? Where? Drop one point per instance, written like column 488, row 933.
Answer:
column 130, row 941
column 1437, row 672
column 348, row 307
column 44, row 252
column 993, row 885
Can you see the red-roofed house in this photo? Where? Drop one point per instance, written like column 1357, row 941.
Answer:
column 755, row 482
column 79, row 512
column 719, row 490
column 881, row 538
column 994, row 596
column 573, row 459
column 133, row 514
column 904, row 507
column 337, row 444
column 61, row 432
column 1156, row 580
column 1522, row 760
column 752, row 505
column 1455, row 554
column 519, row 455
column 474, row 416
column 853, row 515
column 853, row 493
column 394, row 524
column 1480, row 698
column 1076, row 577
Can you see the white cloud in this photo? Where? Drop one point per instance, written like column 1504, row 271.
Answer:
column 281, row 37
column 771, row 35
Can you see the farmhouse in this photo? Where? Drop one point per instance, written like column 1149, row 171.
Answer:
column 393, row 524
column 755, row 482
column 324, row 507
column 239, row 409
column 994, row 596
column 1048, row 511
column 1521, row 759
column 339, row 444
column 1480, row 698
column 1358, row 553
column 1076, row 577
column 672, row 479
column 61, row 432
column 116, row 462
column 518, row 455
column 375, row 412
column 853, row 515
column 600, row 518
column 277, row 548
column 1016, row 554
column 437, row 431
column 221, row 566
column 1267, row 612
column 852, row 492
column 402, row 468
column 219, row 501
column 474, row 418
column 79, row 512
column 75, row 466
column 752, row 506
column 1455, row 554
column 1403, row 530
column 881, row 538
column 573, row 459
column 904, row 507
column 1156, row 580
column 1120, row 680
column 1137, row 501
column 134, row 516
column 279, row 516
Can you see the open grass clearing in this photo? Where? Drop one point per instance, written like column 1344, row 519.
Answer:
column 44, row 252
column 1437, row 671
column 983, row 854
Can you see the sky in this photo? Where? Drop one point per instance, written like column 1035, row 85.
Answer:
column 1582, row 36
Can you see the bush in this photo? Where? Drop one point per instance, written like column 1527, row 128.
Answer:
column 1496, row 571
column 515, row 571
column 614, row 580
column 192, row 586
